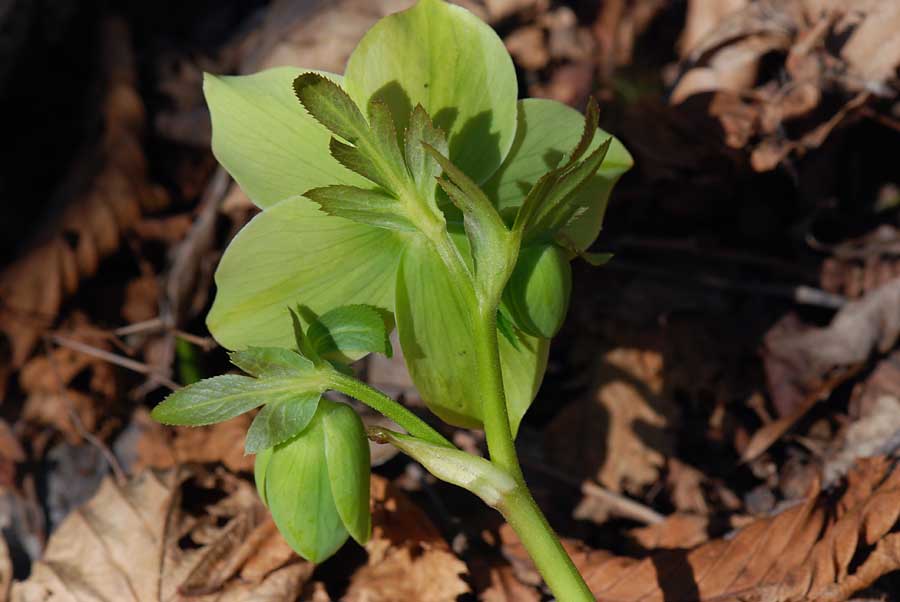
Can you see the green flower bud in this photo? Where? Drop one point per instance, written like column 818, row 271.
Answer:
column 317, row 484
column 537, row 295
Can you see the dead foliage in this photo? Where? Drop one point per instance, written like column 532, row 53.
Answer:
column 824, row 549
column 136, row 543
column 408, row 558
column 783, row 75
column 92, row 223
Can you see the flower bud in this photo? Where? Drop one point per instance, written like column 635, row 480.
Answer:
column 537, row 294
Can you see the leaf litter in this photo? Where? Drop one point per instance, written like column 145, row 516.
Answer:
column 650, row 491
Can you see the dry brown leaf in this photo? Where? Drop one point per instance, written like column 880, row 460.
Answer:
column 33, row 288
column 127, row 544
column 506, row 587
column 157, row 446
column 821, row 550
column 677, row 531
column 847, row 51
column 408, row 558
column 6, row 571
column 616, row 436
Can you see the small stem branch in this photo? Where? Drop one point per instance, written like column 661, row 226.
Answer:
column 387, row 406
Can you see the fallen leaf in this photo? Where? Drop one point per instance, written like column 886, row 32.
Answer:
column 505, row 587
column 33, row 288
column 821, row 550
column 677, row 531
column 135, row 543
column 6, row 571
column 616, row 436
column 408, row 558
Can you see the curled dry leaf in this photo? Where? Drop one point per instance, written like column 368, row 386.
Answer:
column 128, row 544
column 33, row 288
column 821, row 550
column 825, row 69
column 408, row 558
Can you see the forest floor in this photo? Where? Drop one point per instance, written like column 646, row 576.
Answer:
column 720, row 418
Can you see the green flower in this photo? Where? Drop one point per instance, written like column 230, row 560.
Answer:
column 444, row 59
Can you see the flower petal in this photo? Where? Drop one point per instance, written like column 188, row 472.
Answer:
column 446, row 59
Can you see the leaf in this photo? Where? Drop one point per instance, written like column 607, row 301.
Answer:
column 433, row 324
column 438, row 55
column 347, row 455
column 349, row 332
column 544, row 136
column 222, row 397
column 134, row 543
column 408, row 557
column 537, row 294
column 293, row 252
column 304, row 346
column 825, row 549
column 423, row 167
column 270, row 362
column 268, row 143
column 371, row 207
column 380, row 159
column 487, row 234
column 298, row 493
column 279, row 421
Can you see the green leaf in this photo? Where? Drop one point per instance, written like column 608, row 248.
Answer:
column 330, row 106
column 453, row 64
column 423, row 167
column 349, row 332
column 270, row 361
column 279, row 421
column 523, row 366
column 372, row 207
column 347, row 455
column 298, row 492
column 260, row 467
column 433, row 321
column 222, row 397
column 268, row 143
column 376, row 154
column 537, row 294
column 546, row 130
column 564, row 203
column 293, row 252
column 305, row 348
column 485, row 229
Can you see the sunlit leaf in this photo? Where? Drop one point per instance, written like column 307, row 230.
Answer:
column 349, row 332
column 546, row 132
column 266, row 140
column 366, row 206
column 270, row 361
column 292, row 253
column 279, row 421
column 453, row 64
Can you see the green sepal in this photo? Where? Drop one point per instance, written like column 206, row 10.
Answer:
column 279, row 421
column 537, row 294
column 347, row 455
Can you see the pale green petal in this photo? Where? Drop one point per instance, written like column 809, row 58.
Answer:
column 293, row 253
column 455, row 65
column 547, row 131
column 265, row 138
column 434, row 329
column 298, row 493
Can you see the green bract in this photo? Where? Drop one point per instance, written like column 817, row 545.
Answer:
column 344, row 169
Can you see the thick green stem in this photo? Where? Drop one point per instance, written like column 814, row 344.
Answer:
column 380, row 402
column 518, row 507
column 544, row 547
